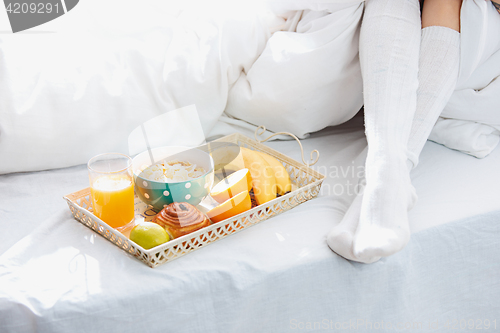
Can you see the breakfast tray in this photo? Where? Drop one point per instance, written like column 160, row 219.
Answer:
column 306, row 184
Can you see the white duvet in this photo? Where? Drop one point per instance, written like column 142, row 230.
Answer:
column 471, row 120
column 79, row 85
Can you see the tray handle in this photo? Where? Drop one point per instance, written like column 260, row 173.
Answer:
column 262, row 129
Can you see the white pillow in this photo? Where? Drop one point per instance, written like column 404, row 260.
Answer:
column 77, row 91
column 472, row 138
column 471, row 120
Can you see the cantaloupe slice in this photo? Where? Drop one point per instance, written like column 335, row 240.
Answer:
column 238, row 204
column 232, row 185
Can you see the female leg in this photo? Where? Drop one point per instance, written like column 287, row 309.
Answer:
column 398, row 118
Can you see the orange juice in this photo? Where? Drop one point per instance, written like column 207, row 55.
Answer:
column 113, row 199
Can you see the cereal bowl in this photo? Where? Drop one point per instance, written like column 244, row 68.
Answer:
column 159, row 193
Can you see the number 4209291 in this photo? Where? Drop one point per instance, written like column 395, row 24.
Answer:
column 24, row 8
column 471, row 324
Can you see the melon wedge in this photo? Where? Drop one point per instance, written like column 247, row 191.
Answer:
column 232, row 185
column 238, row 204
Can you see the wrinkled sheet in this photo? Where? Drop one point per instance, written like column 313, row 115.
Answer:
column 277, row 276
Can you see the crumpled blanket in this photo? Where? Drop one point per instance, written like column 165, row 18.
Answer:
column 317, row 96
column 80, row 91
column 288, row 65
column 471, row 120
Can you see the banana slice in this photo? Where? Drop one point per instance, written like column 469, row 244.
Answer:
column 282, row 177
column 262, row 174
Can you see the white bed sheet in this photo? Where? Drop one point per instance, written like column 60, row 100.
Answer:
column 277, row 276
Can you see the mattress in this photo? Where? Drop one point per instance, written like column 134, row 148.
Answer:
column 58, row 276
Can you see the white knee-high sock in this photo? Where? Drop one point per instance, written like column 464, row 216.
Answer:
column 389, row 53
column 340, row 238
column 438, row 72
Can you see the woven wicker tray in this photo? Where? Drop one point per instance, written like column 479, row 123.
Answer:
column 306, row 183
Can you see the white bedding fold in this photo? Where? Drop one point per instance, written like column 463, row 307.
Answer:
column 471, row 120
column 68, row 96
column 306, row 78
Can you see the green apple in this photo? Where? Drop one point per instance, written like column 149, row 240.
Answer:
column 149, row 235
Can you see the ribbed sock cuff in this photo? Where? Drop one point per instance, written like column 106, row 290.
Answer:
column 444, row 34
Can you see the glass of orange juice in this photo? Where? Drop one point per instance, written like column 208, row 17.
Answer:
column 112, row 189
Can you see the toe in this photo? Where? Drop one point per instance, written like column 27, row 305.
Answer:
column 340, row 242
column 378, row 242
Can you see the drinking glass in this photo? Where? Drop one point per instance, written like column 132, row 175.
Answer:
column 112, row 189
